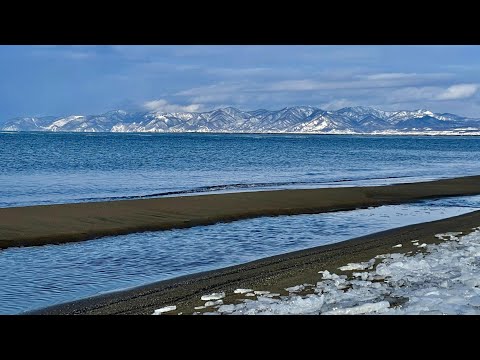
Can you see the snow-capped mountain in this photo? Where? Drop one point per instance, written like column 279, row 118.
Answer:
column 296, row 119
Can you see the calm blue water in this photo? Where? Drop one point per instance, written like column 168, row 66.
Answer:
column 36, row 277
column 44, row 168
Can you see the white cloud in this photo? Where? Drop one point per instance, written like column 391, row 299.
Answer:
column 459, row 91
column 239, row 72
column 215, row 89
column 359, row 81
column 295, row 85
column 338, row 104
column 413, row 94
column 390, row 76
column 413, row 77
column 162, row 105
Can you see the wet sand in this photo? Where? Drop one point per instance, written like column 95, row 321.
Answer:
column 272, row 273
column 54, row 224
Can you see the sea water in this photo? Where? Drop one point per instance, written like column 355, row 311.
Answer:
column 48, row 168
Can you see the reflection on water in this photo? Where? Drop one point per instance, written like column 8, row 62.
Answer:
column 36, row 277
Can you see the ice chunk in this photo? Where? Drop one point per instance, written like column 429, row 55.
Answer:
column 297, row 288
column 242, row 291
column 261, row 292
column 397, row 246
column 226, row 308
column 200, row 307
column 362, row 275
column 271, row 295
column 213, row 296
column 360, row 309
column 164, row 309
column 326, row 275
column 422, row 246
column 213, row 303
column 250, row 294
column 357, row 266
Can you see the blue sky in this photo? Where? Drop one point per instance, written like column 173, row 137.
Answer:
column 66, row 80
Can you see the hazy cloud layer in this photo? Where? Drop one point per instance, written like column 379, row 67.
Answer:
column 162, row 105
column 60, row 80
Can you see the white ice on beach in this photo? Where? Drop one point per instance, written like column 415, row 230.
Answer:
column 360, row 309
column 397, row 246
column 242, row 291
column 213, row 296
column 164, row 309
column 260, row 292
column 213, row 303
column 358, row 266
column 296, row 288
column 444, row 279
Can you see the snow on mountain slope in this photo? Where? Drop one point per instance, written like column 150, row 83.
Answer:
column 295, row 119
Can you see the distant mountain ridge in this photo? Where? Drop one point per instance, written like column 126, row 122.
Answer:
column 295, row 119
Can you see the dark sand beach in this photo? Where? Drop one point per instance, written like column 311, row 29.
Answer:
column 272, row 274
column 54, row 224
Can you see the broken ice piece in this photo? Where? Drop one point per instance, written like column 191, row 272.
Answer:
column 271, row 295
column 164, row 309
column 422, row 246
column 226, row 308
column 213, row 303
column 213, row 296
column 366, row 308
column 397, row 246
column 357, row 266
column 242, row 291
column 261, row 292
column 295, row 288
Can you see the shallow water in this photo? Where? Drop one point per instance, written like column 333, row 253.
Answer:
column 46, row 168
column 36, row 277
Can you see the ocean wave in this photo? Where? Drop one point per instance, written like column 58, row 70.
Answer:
column 239, row 186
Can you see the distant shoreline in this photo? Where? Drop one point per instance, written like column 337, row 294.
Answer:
column 443, row 134
column 55, row 224
column 272, row 273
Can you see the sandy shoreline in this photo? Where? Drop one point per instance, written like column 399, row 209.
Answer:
column 272, row 273
column 54, row 224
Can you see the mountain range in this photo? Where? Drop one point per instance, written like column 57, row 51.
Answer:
column 296, row 119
